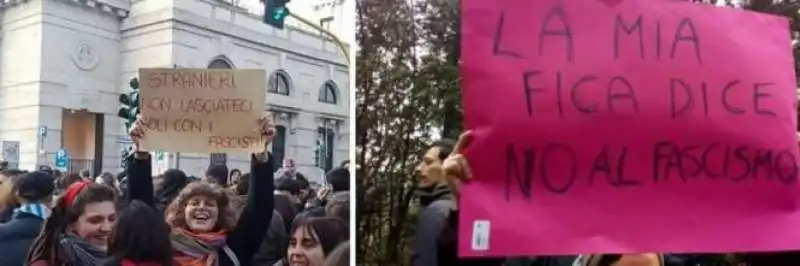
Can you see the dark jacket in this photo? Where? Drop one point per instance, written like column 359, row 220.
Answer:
column 436, row 204
column 174, row 181
column 6, row 214
column 253, row 223
column 287, row 209
column 275, row 244
column 16, row 237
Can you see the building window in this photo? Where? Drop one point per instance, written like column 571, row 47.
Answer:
column 278, row 83
column 323, row 152
column 221, row 62
column 328, row 93
column 279, row 146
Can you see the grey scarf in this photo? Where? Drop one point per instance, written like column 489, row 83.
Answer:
column 79, row 252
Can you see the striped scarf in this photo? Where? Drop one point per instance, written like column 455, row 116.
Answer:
column 200, row 249
column 37, row 209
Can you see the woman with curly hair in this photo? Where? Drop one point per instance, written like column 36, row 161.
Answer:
column 202, row 219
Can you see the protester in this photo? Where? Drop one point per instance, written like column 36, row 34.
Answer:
column 70, row 178
column 276, row 241
column 436, row 201
column 339, row 207
column 107, row 179
column 339, row 187
column 286, row 192
column 140, row 238
column 86, row 175
column 174, row 180
column 77, row 230
column 202, row 220
column 33, row 192
column 437, row 225
column 340, row 256
column 9, row 173
column 305, row 193
column 287, row 170
column 313, row 239
column 217, row 174
column 234, row 177
column 8, row 198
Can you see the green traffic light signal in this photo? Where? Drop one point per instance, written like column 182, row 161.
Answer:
column 275, row 12
column 280, row 13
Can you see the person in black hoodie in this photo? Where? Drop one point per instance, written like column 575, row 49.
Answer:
column 34, row 191
column 202, row 220
column 173, row 182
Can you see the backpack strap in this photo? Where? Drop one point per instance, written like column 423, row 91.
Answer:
column 231, row 255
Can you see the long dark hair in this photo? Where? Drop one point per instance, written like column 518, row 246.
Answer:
column 329, row 231
column 141, row 235
column 67, row 210
column 340, row 256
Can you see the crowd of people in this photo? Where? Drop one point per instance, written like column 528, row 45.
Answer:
column 443, row 169
column 262, row 217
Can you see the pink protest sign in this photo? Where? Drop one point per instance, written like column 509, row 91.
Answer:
column 627, row 126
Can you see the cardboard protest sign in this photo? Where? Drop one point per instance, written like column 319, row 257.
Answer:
column 627, row 126
column 202, row 110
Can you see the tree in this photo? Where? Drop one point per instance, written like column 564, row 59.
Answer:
column 393, row 127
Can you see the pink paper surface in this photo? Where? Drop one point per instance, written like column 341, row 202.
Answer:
column 643, row 204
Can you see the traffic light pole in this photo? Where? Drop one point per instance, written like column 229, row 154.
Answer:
column 330, row 34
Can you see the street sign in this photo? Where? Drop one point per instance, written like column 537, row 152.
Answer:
column 62, row 160
column 43, row 131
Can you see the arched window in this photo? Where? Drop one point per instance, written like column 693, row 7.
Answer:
column 279, row 83
column 328, row 93
column 220, row 62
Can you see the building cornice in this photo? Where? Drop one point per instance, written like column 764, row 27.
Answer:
column 118, row 10
column 10, row 3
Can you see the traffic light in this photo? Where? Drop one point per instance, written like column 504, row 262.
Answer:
column 130, row 104
column 275, row 12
